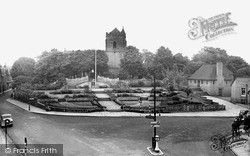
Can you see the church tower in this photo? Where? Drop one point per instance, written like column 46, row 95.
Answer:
column 115, row 47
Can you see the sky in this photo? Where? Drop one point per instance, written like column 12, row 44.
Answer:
column 28, row 27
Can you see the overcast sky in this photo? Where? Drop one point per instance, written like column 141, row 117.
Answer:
column 29, row 27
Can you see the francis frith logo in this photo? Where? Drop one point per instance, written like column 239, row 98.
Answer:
column 210, row 28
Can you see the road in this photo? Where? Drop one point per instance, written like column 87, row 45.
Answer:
column 109, row 136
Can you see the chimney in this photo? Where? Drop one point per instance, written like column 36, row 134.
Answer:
column 219, row 74
column 219, row 69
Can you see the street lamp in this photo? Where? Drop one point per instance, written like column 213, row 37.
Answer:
column 6, row 122
column 140, row 101
column 93, row 80
column 155, row 150
column 30, row 101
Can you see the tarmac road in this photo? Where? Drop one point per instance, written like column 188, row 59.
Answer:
column 109, row 136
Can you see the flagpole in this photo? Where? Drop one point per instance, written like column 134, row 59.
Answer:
column 95, row 67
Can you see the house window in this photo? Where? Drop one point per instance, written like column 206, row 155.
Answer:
column 194, row 81
column 206, row 81
column 243, row 91
column 213, row 82
column 201, row 81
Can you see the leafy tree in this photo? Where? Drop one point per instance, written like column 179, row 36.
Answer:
column 243, row 72
column 234, row 63
column 180, row 61
column 21, row 79
column 210, row 55
column 132, row 62
column 148, row 60
column 51, row 66
column 164, row 58
column 84, row 61
column 23, row 66
column 192, row 67
column 163, row 61
column 173, row 76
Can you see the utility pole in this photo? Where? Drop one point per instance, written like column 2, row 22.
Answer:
column 153, row 139
column 6, row 132
column 246, row 100
column 155, row 150
column 95, row 66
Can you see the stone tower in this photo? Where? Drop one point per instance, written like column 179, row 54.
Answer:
column 115, row 47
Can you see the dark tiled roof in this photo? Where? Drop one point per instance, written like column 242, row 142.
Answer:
column 241, row 81
column 208, row 72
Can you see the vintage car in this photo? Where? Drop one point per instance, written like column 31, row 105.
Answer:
column 6, row 119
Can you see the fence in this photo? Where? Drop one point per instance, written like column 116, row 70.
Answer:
column 76, row 81
column 107, row 80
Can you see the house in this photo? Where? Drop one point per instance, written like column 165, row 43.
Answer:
column 215, row 79
column 240, row 90
column 5, row 79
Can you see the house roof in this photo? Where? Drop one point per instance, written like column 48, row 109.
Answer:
column 208, row 72
column 241, row 81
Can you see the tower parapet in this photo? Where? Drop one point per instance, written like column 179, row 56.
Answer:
column 115, row 47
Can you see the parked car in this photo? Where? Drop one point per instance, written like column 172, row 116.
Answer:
column 6, row 118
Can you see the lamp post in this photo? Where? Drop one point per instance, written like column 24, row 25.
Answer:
column 92, row 75
column 6, row 132
column 30, row 102
column 153, row 139
column 155, row 150
column 95, row 66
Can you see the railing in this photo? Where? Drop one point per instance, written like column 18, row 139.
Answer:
column 76, row 81
column 107, row 80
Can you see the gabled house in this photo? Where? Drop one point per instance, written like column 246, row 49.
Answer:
column 215, row 79
column 240, row 90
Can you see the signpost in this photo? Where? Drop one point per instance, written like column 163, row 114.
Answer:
column 155, row 124
column 154, row 150
column 25, row 141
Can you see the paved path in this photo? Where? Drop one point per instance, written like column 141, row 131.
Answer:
column 102, row 95
column 110, row 105
column 232, row 110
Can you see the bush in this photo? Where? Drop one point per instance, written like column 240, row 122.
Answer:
column 67, row 96
column 140, row 83
column 175, row 98
column 44, row 96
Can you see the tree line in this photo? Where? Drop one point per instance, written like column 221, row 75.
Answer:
column 52, row 67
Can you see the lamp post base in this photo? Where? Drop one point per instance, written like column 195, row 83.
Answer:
column 153, row 152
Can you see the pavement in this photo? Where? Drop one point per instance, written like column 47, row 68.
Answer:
column 232, row 110
column 110, row 105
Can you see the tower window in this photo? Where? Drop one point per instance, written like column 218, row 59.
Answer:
column 114, row 44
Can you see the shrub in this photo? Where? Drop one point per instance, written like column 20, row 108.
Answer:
column 140, row 83
column 175, row 98
column 66, row 96
column 44, row 96
column 66, row 91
